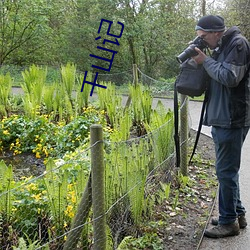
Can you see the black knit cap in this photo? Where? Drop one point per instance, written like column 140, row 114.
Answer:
column 210, row 23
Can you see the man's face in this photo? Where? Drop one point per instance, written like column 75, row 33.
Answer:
column 211, row 38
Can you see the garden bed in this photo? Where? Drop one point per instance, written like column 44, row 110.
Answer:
column 185, row 226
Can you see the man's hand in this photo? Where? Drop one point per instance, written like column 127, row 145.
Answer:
column 200, row 58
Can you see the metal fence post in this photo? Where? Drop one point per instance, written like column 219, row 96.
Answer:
column 98, row 195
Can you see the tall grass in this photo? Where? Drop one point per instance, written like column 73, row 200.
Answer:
column 5, row 90
column 82, row 98
column 6, row 197
column 33, row 86
column 110, row 102
column 141, row 105
column 161, row 128
column 68, row 74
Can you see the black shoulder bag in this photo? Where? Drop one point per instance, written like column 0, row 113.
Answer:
column 191, row 81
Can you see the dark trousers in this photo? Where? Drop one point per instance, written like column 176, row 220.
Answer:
column 228, row 145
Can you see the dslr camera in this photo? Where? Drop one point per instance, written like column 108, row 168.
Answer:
column 190, row 51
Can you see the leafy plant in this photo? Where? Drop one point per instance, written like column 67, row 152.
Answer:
column 30, row 208
column 6, row 184
column 111, row 103
column 48, row 98
column 33, row 86
column 141, row 104
column 68, row 74
column 5, row 89
column 147, row 241
column 164, row 191
column 22, row 245
column 161, row 126
column 82, row 98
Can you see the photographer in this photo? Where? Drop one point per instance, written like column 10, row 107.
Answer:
column 228, row 112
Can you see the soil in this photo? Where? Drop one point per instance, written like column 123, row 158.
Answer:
column 186, row 223
column 25, row 164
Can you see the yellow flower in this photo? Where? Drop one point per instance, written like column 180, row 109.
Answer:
column 45, row 151
column 31, row 187
column 103, row 112
column 38, row 155
column 37, row 196
column 6, row 132
column 69, row 211
column 12, row 145
column 73, row 199
column 14, row 209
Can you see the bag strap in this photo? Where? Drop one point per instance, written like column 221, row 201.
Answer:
column 199, row 127
column 176, row 126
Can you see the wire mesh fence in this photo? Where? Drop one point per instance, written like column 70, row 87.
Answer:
column 55, row 210
column 46, row 210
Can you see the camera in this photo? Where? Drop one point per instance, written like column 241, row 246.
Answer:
column 190, row 51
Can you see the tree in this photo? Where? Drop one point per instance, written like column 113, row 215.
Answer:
column 237, row 13
column 20, row 22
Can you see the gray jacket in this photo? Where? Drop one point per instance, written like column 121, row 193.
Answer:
column 228, row 103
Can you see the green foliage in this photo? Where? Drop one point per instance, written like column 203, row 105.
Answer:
column 43, row 32
column 30, row 206
column 111, row 103
column 161, row 126
column 164, row 192
column 6, row 184
column 141, row 104
column 48, row 98
column 128, row 161
column 30, row 245
column 43, row 137
column 22, row 23
column 68, row 73
column 33, row 86
column 122, row 127
column 147, row 241
column 126, row 172
column 57, row 188
column 82, row 98
column 5, row 89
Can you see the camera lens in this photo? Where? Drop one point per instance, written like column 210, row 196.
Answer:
column 187, row 53
column 190, row 51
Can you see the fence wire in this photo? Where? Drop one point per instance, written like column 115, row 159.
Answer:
column 41, row 209
column 44, row 210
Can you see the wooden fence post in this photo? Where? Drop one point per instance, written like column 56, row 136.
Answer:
column 184, row 135
column 98, row 194
column 80, row 218
column 135, row 74
column 135, row 77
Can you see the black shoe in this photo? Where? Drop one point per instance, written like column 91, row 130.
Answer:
column 221, row 231
column 241, row 219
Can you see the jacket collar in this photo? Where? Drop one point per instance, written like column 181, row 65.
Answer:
column 231, row 32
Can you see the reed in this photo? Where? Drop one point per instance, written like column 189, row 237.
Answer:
column 5, row 90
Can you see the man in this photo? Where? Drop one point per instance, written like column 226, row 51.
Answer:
column 228, row 112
